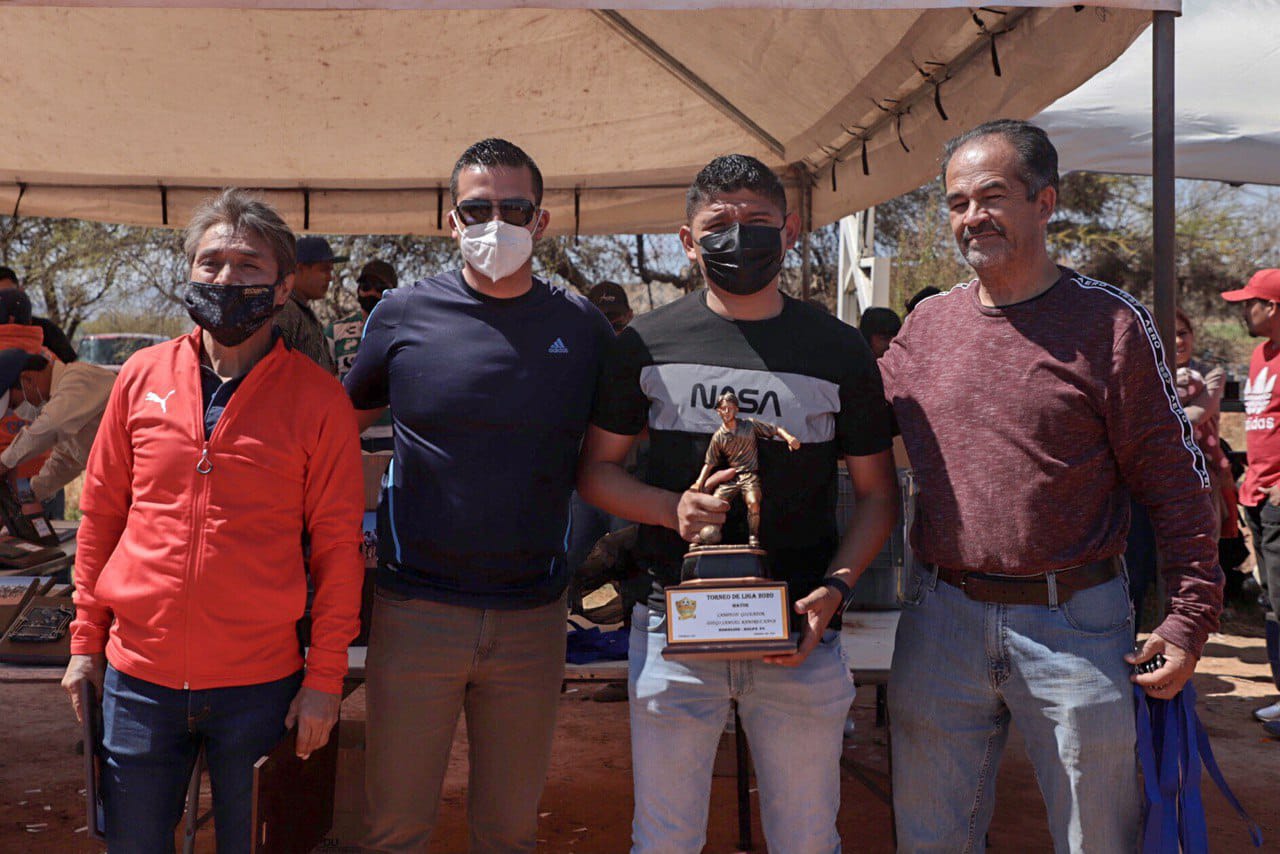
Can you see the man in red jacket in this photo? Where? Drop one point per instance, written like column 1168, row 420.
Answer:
column 217, row 453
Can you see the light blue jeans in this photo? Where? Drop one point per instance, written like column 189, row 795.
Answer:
column 963, row 669
column 794, row 721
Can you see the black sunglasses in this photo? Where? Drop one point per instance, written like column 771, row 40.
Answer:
column 513, row 211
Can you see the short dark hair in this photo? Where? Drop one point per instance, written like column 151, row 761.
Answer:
column 731, row 173
column 1038, row 159
column 727, row 397
column 920, row 296
column 8, row 273
column 879, row 321
column 494, row 152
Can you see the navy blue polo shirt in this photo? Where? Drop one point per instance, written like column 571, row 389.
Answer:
column 489, row 402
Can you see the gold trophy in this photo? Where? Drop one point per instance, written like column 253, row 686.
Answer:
column 726, row 606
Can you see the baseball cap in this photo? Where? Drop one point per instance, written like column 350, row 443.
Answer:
column 13, row 362
column 611, row 299
column 316, row 250
column 1264, row 284
column 378, row 272
column 15, row 307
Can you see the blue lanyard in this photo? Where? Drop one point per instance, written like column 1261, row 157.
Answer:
column 1171, row 730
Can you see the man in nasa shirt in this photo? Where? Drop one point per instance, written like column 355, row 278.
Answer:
column 1260, row 493
column 793, row 366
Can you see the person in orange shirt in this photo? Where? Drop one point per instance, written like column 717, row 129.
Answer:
column 217, row 453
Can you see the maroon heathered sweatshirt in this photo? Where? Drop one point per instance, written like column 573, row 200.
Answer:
column 1029, row 425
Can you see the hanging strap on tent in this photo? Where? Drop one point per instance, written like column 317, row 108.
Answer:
column 306, row 209
column 930, row 74
column 164, row 205
column 577, row 212
column 22, row 191
column 991, row 34
column 866, row 167
column 898, row 125
column 439, row 208
column 1172, row 747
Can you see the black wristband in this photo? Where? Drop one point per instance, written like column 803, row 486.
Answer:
column 840, row 587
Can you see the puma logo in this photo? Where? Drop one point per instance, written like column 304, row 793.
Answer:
column 152, row 397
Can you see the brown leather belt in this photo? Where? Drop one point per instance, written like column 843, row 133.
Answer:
column 1031, row 589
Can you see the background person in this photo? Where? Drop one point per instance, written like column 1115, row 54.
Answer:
column 811, row 374
column 64, row 405
column 302, row 329
column 344, row 335
column 52, row 335
column 878, row 326
column 1019, row 610
column 1260, row 492
column 18, row 332
column 489, row 373
column 189, row 576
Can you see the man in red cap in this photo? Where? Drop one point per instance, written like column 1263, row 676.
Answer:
column 1260, row 493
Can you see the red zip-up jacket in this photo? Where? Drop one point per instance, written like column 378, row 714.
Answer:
column 189, row 567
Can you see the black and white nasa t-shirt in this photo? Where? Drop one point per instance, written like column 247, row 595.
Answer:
column 802, row 370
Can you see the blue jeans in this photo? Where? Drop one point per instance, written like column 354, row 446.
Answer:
column 794, row 721
column 963, row 669
column 151, row 736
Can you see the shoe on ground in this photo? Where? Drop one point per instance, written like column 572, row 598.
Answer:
column 1268, row 713
column 1272, row 728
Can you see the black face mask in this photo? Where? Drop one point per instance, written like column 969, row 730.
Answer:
column 743, row 259
column 230, row 313
column 368, row 301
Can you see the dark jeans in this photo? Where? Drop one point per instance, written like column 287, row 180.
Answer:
column 1264, row 524
column 151, row 736
column 1140, row 557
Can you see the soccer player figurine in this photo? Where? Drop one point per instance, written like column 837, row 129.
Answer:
column 734, row 446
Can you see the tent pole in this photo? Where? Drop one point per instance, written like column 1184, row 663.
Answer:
column 806, row 224
column 1162, row 197
column 1162, row 174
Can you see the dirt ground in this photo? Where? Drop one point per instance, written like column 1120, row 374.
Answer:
column 587, row 803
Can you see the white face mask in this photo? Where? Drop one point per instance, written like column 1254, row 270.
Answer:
column 495, row 248
column 27, row 410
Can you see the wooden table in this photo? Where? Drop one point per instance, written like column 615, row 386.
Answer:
column 58, row 564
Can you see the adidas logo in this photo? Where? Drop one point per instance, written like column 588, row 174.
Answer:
column 558, row 347
column 1257, row 393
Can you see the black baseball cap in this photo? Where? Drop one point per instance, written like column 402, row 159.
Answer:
column 316, row 250
column 13, row 362
column 611, row 299
column 378, row 273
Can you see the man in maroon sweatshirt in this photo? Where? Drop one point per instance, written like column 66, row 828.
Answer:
column 1033, row 402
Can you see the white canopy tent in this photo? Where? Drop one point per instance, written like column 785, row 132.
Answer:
column 1227, row 118
column 351, row 114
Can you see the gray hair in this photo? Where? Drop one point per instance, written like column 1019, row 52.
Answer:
column 1037, row 158
column 244, row 212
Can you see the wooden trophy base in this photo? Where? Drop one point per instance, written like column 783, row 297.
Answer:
column 726, row 607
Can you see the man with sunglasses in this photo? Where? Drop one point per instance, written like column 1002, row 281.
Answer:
column 489, row 373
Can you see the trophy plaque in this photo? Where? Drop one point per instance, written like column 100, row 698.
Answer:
column 726, row 606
